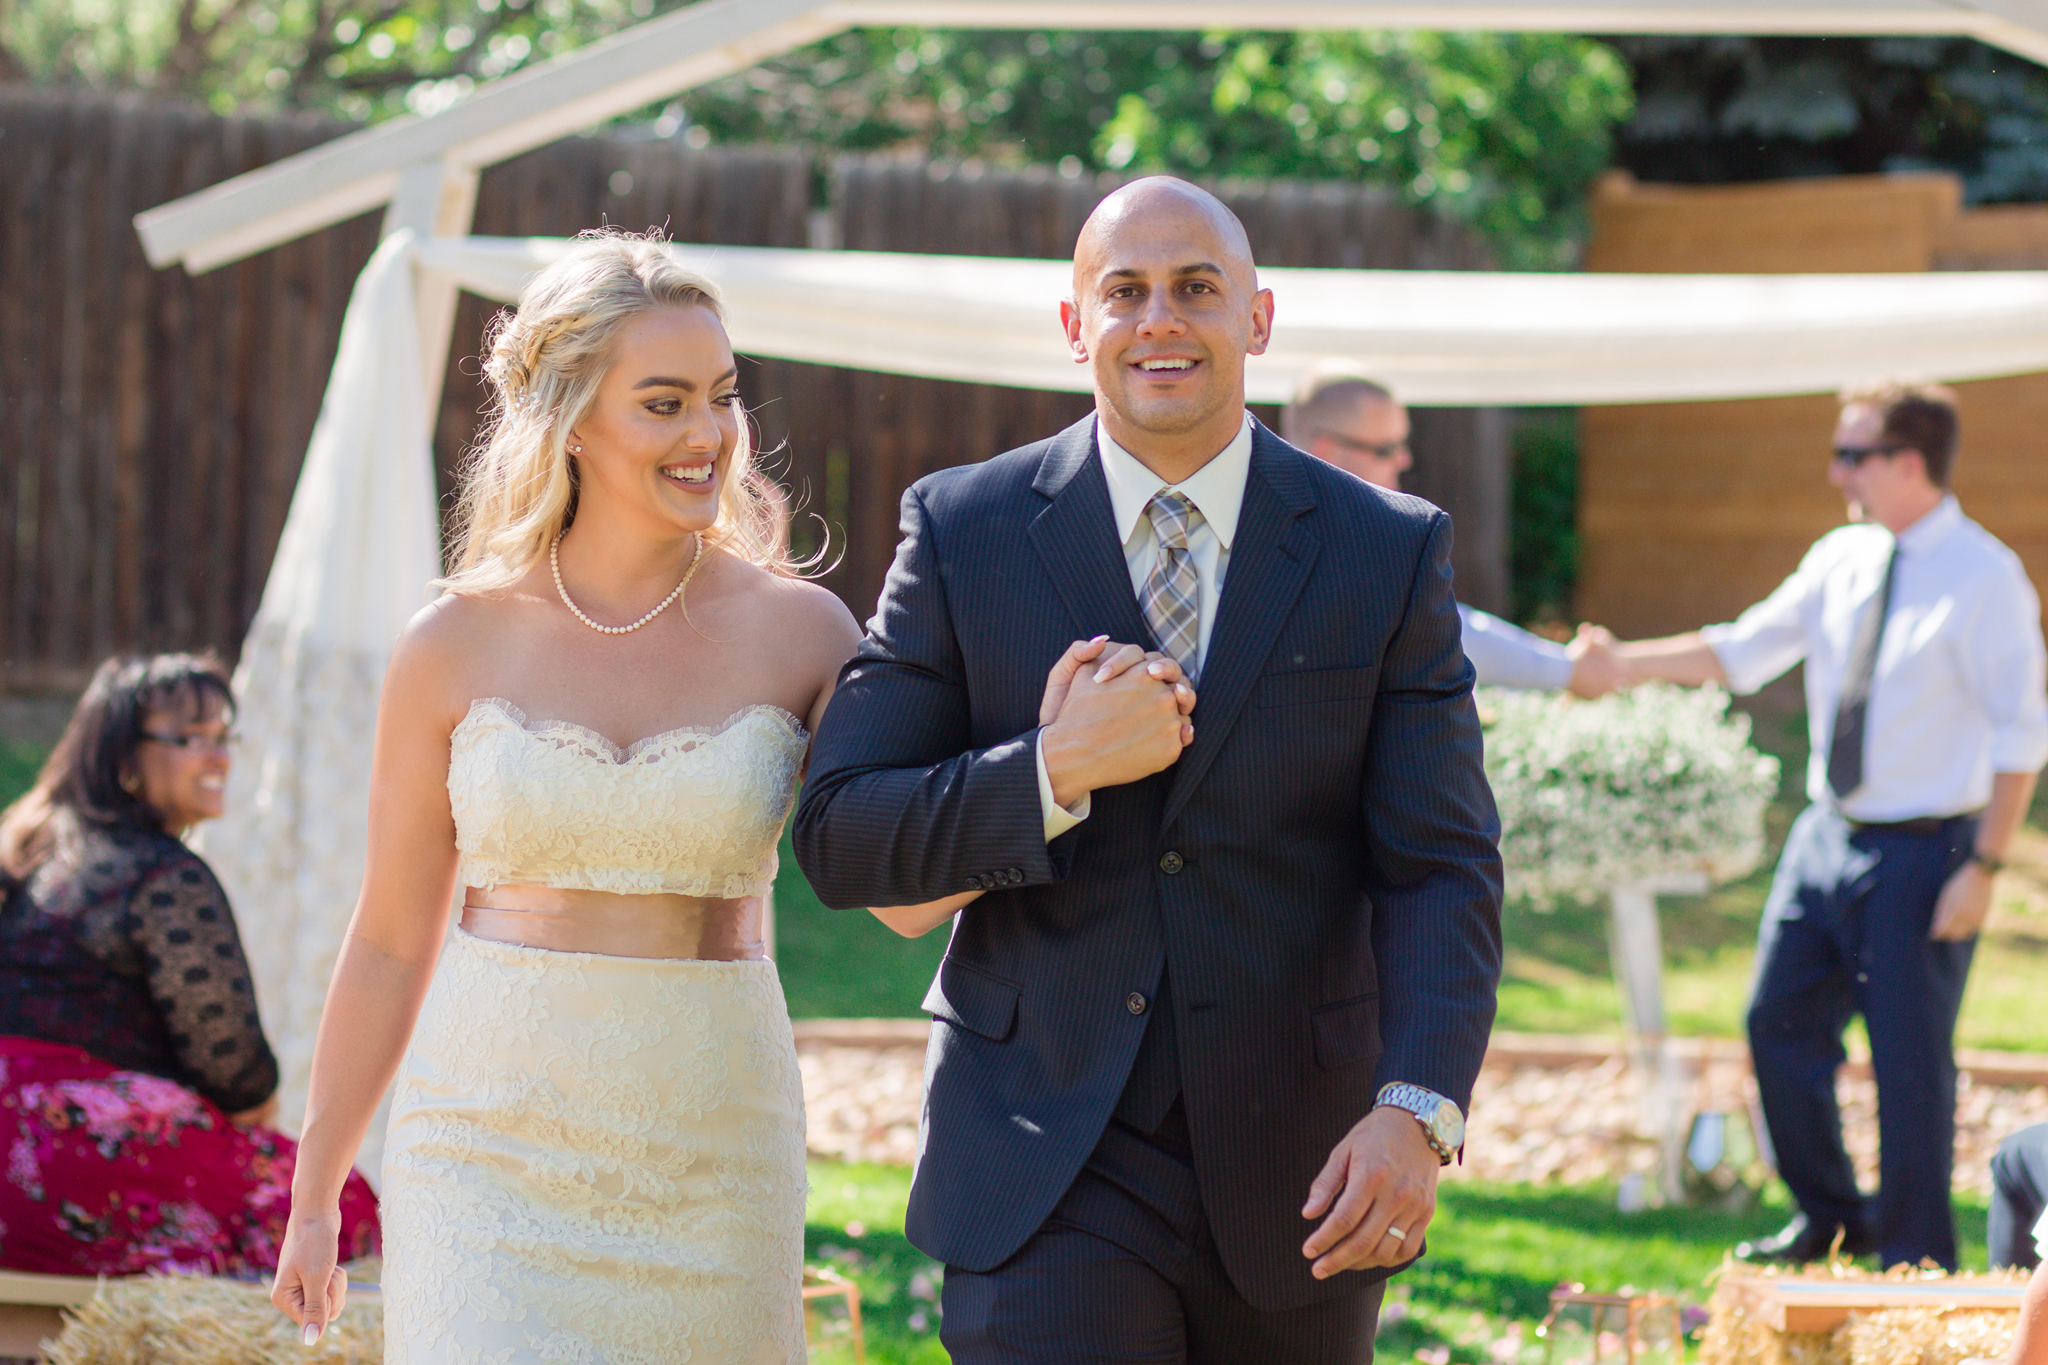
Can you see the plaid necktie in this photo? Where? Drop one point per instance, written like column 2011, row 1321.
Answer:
column 1852, row 713
column 1171, row 599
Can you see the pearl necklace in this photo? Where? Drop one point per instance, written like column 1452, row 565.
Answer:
column 555, row 563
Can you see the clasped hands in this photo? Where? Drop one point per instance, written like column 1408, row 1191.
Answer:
column 1112, row 714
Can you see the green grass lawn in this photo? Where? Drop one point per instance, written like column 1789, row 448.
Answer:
column 1495, row 1253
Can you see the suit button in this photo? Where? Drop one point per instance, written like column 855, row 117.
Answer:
column 986, row 882
column 1016, row 876
column 1171, row 863
column 1135, row 1003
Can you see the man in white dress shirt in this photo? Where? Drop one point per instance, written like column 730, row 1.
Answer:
column 1355, row 423
column 1924, row 689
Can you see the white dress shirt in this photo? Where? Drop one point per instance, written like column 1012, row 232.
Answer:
column 1505, row 655
column 1217, row 492
column 1958, row 692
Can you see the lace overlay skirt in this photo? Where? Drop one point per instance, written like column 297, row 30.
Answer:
column 596, row 1160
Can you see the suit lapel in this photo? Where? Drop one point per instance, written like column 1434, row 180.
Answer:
column 1269, row 564
column 1076, row 537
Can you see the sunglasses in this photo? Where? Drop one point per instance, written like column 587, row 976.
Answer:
column 1379, row 452
column 1854, row 456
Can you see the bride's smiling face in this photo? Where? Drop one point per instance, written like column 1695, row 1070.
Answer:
column 659, row 438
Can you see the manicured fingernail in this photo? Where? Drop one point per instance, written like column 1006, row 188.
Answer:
column 1098, row 639
column 1101, row 673
column 312, row 1333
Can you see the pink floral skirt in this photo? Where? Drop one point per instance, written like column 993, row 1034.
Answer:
column 110, row 1172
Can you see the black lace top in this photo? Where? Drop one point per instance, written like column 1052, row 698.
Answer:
column 123, row 944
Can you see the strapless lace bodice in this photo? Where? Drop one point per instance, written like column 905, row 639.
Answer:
column 695, row 812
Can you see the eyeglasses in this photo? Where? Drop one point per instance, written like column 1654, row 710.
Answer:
column 220, row 743
column 1854, row 456
column 1379, row 452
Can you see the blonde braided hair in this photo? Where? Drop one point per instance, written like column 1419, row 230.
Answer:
column 544, row 361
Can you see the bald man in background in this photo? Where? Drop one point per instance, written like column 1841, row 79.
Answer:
column 1347, row 420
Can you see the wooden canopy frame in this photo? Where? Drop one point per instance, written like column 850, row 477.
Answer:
column 426, row 167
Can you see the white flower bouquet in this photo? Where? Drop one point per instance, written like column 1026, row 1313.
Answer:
column 1637, row 786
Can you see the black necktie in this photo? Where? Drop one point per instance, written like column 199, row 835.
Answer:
column 1845, row 750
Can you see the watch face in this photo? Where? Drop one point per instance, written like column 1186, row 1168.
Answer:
column 1448, row 1125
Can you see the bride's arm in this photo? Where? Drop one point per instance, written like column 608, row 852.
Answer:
column 840, row 637
column 386, row 961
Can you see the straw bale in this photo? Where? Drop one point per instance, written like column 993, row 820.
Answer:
column 1891, row 1336
column 1733, row 1337
column 189, row 1320
column 1926, row 1336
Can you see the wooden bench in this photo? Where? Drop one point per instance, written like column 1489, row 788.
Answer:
column 1794, row 1304
column 29, row 1307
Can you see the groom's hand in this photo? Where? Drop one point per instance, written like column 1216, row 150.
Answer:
column 1381, row 1176
column 1122, row 719
column 1107, row 661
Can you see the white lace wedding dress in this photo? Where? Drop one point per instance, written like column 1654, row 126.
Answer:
column 595, row 1159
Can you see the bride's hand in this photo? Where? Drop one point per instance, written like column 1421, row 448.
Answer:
column 310, row 1288
column 1110, row 661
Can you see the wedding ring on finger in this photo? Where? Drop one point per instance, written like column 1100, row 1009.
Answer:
column 1398, row 1234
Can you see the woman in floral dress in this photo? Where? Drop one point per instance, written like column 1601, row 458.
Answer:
column 135, row 1083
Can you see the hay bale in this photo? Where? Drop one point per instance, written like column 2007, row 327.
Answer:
column 188, row 1320
column 1733, row 1337
column 1892, row 1336
column 1925, row 1336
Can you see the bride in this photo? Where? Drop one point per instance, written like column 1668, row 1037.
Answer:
column 591, row 741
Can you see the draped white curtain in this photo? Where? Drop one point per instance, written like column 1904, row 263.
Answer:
column 1453, row 338
column 361, row 541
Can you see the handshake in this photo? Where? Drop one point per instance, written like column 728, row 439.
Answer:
column 1599, row 665
column 1112, row 714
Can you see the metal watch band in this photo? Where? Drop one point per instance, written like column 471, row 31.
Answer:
column 1423, row 1103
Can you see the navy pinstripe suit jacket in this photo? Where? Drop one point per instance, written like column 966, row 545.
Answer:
column 1332, row 916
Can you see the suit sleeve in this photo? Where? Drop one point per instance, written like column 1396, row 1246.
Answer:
column 899, row 808
column 1433, row 837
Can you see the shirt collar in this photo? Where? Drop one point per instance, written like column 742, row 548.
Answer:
column 1217, row 488
column 1923, row 535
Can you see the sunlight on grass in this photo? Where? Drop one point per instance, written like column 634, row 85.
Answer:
column 854, row 1225
column 1495, row 1253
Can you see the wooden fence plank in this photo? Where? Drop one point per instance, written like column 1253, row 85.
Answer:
column 152, row 424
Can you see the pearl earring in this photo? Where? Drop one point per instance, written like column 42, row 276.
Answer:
column 575, row 450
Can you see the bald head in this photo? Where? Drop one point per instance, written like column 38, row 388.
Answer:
column 1157, row 206
column 1166, row 307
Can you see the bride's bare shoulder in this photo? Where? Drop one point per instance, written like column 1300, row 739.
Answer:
column 807, row 614
column 453, row 639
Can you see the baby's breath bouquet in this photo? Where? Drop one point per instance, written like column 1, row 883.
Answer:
column 1634, row 787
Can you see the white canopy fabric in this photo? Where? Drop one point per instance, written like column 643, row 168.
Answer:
column 1450, row 338
column 361, row 542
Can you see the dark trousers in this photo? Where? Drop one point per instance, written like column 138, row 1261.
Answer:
column 1845, row 933
column 2019, row 1195
column 1125, row 1271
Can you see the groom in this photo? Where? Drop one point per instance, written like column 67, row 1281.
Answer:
column 1198, row 1054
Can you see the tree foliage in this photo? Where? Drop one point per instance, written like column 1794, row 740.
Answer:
column 1504, row 130
column 1734, row 108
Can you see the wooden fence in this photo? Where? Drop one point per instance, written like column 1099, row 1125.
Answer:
column 152, row 423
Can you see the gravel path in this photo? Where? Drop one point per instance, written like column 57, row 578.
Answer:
column 1567, row 1121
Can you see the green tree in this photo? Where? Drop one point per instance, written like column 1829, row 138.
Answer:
column 1737, row 108
column 1502, row 129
